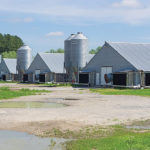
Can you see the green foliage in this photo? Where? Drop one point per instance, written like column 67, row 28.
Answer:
column 59, row 50
column 11, row 54
column 94, row 51
column 9, row 43
column 7, row 93
column 136, row 92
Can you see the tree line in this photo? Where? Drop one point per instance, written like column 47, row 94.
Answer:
column 9, row 45
column 94, row 51
column 60, row 50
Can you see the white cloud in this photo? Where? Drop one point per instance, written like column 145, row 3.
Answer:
column 50, row 34
column 28, row 20
column 17, row 20
column 128, row 3
column 74, row 12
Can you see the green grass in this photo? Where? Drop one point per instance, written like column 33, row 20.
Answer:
column 86, row 133
column 104, row 138
column 58, row 84
column 29, row 105
column 8, row 81
column 120, row 139
column 136, row 92
column 7, row 93
column 63, row 85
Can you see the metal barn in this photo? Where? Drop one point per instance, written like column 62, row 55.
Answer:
column 120, row 64
column 8, row 69
column 46, row 67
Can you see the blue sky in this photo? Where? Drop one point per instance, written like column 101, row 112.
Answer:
column 44, row 24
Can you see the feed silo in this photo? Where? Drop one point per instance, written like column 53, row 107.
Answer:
column 23, row 60
column 67, row 53
column 79, row 51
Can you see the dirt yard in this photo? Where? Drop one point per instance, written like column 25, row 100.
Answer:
column 83, row 109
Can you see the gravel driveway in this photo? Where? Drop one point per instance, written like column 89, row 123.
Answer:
column 83, row 108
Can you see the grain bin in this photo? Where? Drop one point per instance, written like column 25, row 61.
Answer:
column 79, row 51
column 23, row 60
column 67, row 53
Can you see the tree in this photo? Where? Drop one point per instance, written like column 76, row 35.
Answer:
column 98, row 49
column 94, row 51
column 9, row 43
column 11, row 54
column 59, row 50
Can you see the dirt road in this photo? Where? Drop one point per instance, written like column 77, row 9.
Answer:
column 84, row 108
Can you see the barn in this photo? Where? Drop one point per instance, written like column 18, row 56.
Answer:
column 120, row 64
column 46, row 67
column 8, row 69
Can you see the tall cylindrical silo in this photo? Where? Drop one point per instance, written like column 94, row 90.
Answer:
column 23, row 60
column 79, row 51
column 67, row 52
column 67, row 56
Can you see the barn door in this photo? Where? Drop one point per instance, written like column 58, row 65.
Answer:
column 37, row 74
column 105, row 70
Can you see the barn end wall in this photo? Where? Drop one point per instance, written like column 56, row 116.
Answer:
column 38, row 64
column 108, row 57
column 3, row 68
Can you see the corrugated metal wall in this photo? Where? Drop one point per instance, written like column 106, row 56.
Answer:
column 38, row 64
column 108, row 57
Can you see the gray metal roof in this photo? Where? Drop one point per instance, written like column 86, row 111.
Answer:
column 70, row 37
column 79, row 36
column 55, row 61
column 11, row 64
column 138, row 54
column 89, row 57
column 25, row 48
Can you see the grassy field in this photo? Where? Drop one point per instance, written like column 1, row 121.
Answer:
column 136, row 92
column 22, row 104
column 8, row 81
column 58, row 84
column 117, row 139
column 7, row 93
column 62, row 85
